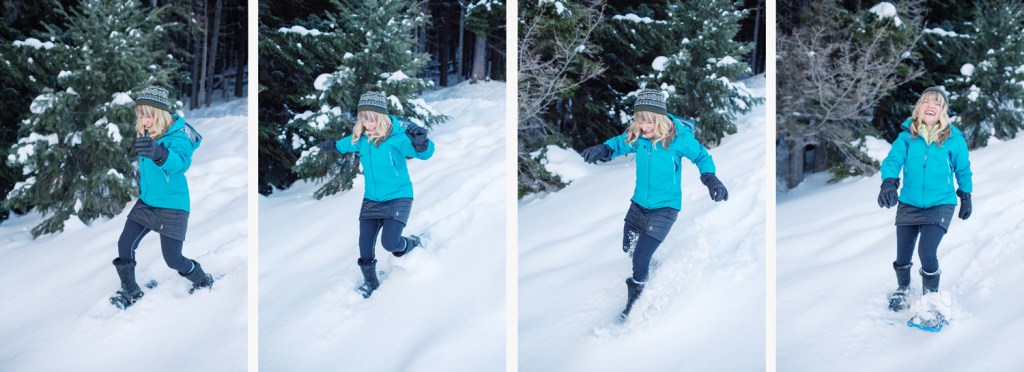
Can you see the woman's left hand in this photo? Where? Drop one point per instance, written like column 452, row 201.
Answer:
column 418, row 136
column 965, row 204
column 715, row 187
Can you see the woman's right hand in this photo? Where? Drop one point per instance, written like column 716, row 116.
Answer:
column 596, row 153
column 887, row 197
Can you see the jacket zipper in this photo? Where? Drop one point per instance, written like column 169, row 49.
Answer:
column 368, row 170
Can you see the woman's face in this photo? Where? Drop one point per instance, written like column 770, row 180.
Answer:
column 646, row 126
column 930, row 111
column 369, row 125
column 146, row 122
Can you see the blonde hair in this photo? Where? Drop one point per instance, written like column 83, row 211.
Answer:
column 161, row 121
column 918, row 118
column 383, row 127
column 664, row 130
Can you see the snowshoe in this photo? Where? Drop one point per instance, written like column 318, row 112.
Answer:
column 900, row 300
column 931, row 321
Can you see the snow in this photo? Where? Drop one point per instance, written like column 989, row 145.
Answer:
column 572, row 269
column 64, row 74
column 323, row 81
column 397, row 76
column 876, row 148
column 975, row 92
column 300, row 30
column 940, row 32
column 835, row 251
column 119, row 99
column 659, row 63
column 34, row 43
column 886, row 10
column 62, row 282
column 632, row 18
column 725, row 61
column 967, row 69
column 42, row 103
column 446, row 300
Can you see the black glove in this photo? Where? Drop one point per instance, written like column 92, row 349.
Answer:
column 887, row 197
column 329, row 146
column 418, row 136
column 596, row 153
column 148, row 148
column 715, row 187
column 965, row 204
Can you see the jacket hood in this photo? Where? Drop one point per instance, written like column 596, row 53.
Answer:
column 180, row 125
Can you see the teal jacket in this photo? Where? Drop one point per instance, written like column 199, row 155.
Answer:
column 928, row 170
column 384, row 168
column 658, row 169
column 165, row 186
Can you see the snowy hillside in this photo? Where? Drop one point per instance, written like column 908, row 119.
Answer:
column 835, row 253
column 56, row 316
column 438, row 309
column 703, row 308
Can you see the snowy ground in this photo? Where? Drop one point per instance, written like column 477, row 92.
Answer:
column 835, row 253
column 703, row 308
column 440, row 309
column 57, row 317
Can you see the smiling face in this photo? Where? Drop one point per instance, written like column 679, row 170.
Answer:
column 931, row 107
column 646, row 126
column 151, row 120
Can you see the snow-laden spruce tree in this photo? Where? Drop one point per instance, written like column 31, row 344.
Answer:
column 73, row 147
column 989, row 93
column 363, row 44
column 698, row 68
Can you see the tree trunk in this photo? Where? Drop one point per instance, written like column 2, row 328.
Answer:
column 204, row 59
column 757, row 42
column 443, row 49
column 213, row 51
column 462, row 37
column 240, row 67
column 479, row 58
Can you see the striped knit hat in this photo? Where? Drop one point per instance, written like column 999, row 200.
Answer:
column 650, row 99
column 154, row 96
column 373, row 101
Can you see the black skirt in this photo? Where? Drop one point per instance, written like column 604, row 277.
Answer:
column 656, row 223
column 171, row 223
column 909, row 215
column 395, row 209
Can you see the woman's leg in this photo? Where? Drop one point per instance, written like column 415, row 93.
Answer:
column 630, row 238
column 391, row 236
column 931, row 236
column 368, row 229
column 645, row 247
column 130, row 238
column 906, row 237
column 171, row 250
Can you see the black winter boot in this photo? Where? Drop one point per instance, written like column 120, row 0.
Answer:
column 411, row 242
column 370, row 283
column 198, row 277
column 899, row 300
column 633, row 289
column 930, row 281
column 130, row 291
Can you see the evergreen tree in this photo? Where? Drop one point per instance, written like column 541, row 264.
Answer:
column 364, row 43
column 700, row 66
column 483, row 17
column 989, row 93
column 73, row 146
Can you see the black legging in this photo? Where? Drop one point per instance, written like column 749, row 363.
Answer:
column 132, row 235
column 391, row 238
column 643, row 247
column 931, row 235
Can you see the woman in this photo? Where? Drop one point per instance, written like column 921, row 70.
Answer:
column 930, row 152
column 164, row 144
column 383, row 142
column 659, row 141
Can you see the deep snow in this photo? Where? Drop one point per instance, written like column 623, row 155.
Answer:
column 835, row 253
column 56, row 316
column 440, row 309
column 703, row 308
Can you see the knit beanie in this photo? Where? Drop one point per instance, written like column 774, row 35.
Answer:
column 373, row 101
column 650, row 99
column 154, row 96
column 937, row 90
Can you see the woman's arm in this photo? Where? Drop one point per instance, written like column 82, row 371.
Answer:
column 686, row 145
column 179, row 155
column 962, row 166
column 893, row 163
column 619, row 146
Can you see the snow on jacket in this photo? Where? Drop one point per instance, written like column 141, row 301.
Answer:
column 928, row 169
column 658, row 169
column 384, row 167
column 165, row 186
